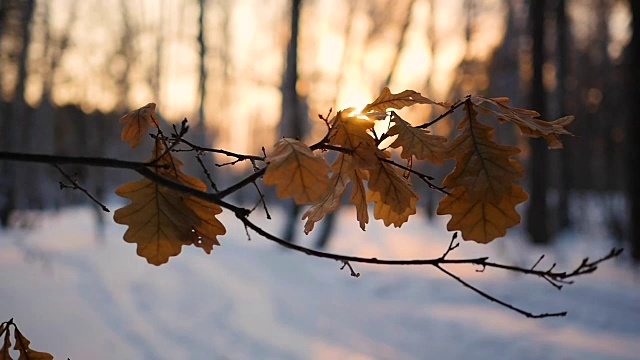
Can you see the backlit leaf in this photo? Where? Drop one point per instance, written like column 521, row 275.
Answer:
column 482, row 165
column 341, row 176
column 209, row 227
column 394, row 199
column 387, row 100
column 482, row 193
column 482, row 218
column 351, row 133
column 137, row 122
column 527, row 120
column 6, row 343
column 162, row 220
column 359, row 196
column 417, row 142
column 297, row 172
column 26, row 353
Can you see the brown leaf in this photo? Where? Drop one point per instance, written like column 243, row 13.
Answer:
column 6, row 343
column 137, row 122
column 417, row 142
column 394, row 199
column 209, row 227
column 527, row 120
column 387, row 100
column 351, row 133
column 22, row 345
column 481, row 164
column 484, row 218
column 482, row 193
column 387, row 213
column 297, row 172
column 359, row 196
column 330, row 202
column 162, row 220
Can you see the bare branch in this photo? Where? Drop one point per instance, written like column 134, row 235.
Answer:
column 206, row 171
column 240, row 157
column 353, row 273
column 446, row 113
column 75, row 186
column 587, row 266
column 496, row 300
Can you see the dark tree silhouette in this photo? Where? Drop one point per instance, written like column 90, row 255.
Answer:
column 633, row 129
column 537, row 217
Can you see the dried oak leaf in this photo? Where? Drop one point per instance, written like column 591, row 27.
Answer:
column 484, row 218
column 482, row 165
column 26, row 353
column 527, row 120
column 417, row 142
column 341, row 170
column 136, row 124
column 387, row 100
column 359, row 196
column 351, row 133
column 482, row 195
column 394, row 199
column 297, row 172
column 162, row 220
column 6, row 343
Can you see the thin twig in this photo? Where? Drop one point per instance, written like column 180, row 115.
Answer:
column 353, row 273
column 445, row 114
column 206, row 171
column 496, row 300
column 184, row 128
column 425, row 178
column 537, row 262
column 75, row 186
column 451, row 246
column 242, row 183
column 240, row 157
column 261, row 200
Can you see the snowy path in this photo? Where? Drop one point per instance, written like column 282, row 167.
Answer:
column 79, row 297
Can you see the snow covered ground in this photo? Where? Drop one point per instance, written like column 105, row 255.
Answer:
column 83, row 293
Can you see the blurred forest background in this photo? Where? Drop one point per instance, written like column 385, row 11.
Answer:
column 246, row 72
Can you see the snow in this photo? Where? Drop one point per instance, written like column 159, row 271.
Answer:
column 81, row 292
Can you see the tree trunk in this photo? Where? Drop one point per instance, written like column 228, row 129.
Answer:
column 402, row 39
column 16, row 127
column 537, row 224
column 633, row 131
column 200, row 128
column 564, row 188
column 293, row 119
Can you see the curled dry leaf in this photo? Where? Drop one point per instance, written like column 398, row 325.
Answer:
column 341, row 176
column 162, row 220
column 359, row 196
column 26, row 353
column 6, row 343
column 343, row 173
column 387, row 100
column 297, row 172
column 136, row 124
column 526, row 120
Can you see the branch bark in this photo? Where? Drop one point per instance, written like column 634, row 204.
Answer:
column 556, row 278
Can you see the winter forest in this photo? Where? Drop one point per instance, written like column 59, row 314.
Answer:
column 246, row 74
